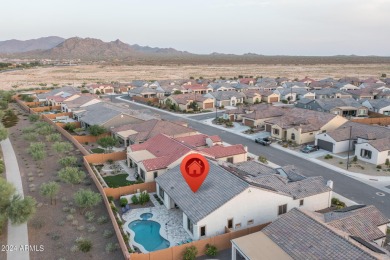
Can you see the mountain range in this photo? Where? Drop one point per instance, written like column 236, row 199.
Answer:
column 90, row 49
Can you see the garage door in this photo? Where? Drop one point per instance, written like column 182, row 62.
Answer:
column 248, row 122
column 208, row 105
column 273, row 99
column 325, row 145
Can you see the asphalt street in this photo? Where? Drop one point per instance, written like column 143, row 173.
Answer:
column 343, row 185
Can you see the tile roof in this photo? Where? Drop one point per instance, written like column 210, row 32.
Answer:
column 144, row 90
column 381, row 144
column 362, row 222
column 194, row 140
column 358, row 130
column 287, row 180
column 54, row 92
column 303, row 237
column 379, row 103
column 82, row 100
column 219, row 151
column 185, row 98
column 215, row 86
column 294, row 84
column 152, row 128
column 211, row 195
column 166, row 151
column 226, row 95
column 328, row 104
column 328, row 91
column 307, row 120
column 263, row 111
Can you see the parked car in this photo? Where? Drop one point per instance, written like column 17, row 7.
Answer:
column 310, row 148
column 264, row 141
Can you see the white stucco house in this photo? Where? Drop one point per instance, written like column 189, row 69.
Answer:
column 250, row 194
column 367, row 142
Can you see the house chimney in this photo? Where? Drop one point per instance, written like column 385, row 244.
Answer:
column 330, row 184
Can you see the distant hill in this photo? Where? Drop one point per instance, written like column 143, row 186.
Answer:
column 17, row 46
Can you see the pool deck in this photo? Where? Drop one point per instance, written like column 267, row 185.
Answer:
column 171, row 222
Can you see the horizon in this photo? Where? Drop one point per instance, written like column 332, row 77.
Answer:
column 279, row 27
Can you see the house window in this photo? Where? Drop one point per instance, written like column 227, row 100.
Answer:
column 282, row 209
column 292, row 136
column 161, row 192
column 300, row 203
column 250, row 222
column 202, row 231
column 155, row 175
column 275, row 131
column 229, row 159
column 365, row 154
column 230, row 223
column 238, row 225
column 323, row 131
column 311, row 134
column 142, row 172
column 190, row 227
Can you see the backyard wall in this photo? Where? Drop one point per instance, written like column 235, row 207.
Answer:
column 89, row 138
column 117, row 192
column 54, row 116
column 222, row 242
column 104, row 157
column 43, row 109
column 76, row 124
column 373, row 121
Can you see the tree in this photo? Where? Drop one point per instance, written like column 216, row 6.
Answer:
column 21, row 210
column 107, row 142
column 3, row 132
column 50, row 190
column 97, row 92
column 71, row 175
column 6, row 192
column 67, row 161
column 194, row 105
column 86, row 199
column 96, row 130
column 70, row 127
column 62, row 147
column 190, row 253
column 177, row 92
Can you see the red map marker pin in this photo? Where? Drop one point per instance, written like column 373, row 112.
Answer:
column 194, row 169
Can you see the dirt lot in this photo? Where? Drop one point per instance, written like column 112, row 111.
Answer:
column 106, row 73
column 50, row 226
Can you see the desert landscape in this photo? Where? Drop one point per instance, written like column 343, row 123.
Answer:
column 124, row 73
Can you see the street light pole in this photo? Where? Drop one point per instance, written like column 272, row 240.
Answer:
column 349, row 144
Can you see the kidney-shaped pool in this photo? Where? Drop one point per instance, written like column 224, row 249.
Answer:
column 147, row 233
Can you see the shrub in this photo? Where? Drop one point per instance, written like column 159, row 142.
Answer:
column 107, row 233
column 111, row 247
column 190, row 253
column 102, row 220
column 70, row 127
column 33, row 118
column 135, row 200
column 37, row 223
column 91, row 229
column 80, row 228
column 55, row 137
column 379, row 167
column 123, row 202
column 211, row 250
column 263, row 159
column 110, row 198
column 144, row 198
column 354, row 159
column 89, row 216
column 341, row 163
column 83, row 244
column 69, row 217
column 328, row 156
column 339, row 204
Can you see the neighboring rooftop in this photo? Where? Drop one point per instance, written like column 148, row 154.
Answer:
column 358, row 130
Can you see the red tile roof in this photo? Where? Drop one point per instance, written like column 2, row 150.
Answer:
column 215, row 138
column 198, row 140
column 219, row 151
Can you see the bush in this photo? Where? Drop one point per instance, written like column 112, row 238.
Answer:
column 102, row 220
column 328, row 156
column 123, row 202
column 107, row 233
column 379, row 167
column 211, row 250
column 111, row 247
column 263, row 159
column 110, row 198
column 135, row 200
column 355, row 159
column 83, row 244
column 70, row 127
column 341, row 163
column 339, row 204
column 190, row 253
column 33, row 118
column 144, row 198
column 89, row 216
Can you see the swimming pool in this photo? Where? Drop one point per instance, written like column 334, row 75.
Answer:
column 147, row 233
column 146, row 216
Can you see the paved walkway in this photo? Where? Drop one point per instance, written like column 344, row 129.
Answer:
column 17, row 235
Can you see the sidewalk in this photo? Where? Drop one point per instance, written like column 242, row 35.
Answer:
column 17, row 235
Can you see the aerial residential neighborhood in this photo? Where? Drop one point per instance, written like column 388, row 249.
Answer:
column 133, row 146
column 195, row 130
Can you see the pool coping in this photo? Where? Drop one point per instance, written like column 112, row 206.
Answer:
column 162, row 232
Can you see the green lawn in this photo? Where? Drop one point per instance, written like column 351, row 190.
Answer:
column 97, row 150
column 118, row 181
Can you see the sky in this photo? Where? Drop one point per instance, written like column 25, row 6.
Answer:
column 268, row 27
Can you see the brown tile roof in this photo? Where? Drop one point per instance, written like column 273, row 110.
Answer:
column 194, row 140
column 219, row 151
column 381, row 144
column 358, row 130
column 185, row 98
column 266, row 111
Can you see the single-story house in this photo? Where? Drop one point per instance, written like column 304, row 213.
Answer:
column 82, row 100
column 104, row 114
column 146, row 92
column 295, row 84
column 348, row 233
column 363, row 93
column 293, row 94
column 66, row 91
column 331, row 93
column 381, row 106
column 171, row 89
column 220, row 87
column 140, row 132
column 226, row 98
column 267, row 86
column 261, row 114
column 301, row 125
column 100, row 89
column 250, row 194
column 269, row 97
column 197, row 88
column 347, row 107
column 345, row 86
column 183, row 101
column 252, row 96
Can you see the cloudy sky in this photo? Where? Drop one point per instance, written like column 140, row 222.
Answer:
column 269, row 27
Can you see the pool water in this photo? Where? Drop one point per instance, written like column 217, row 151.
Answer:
column 147, row 233
column 146, row 216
